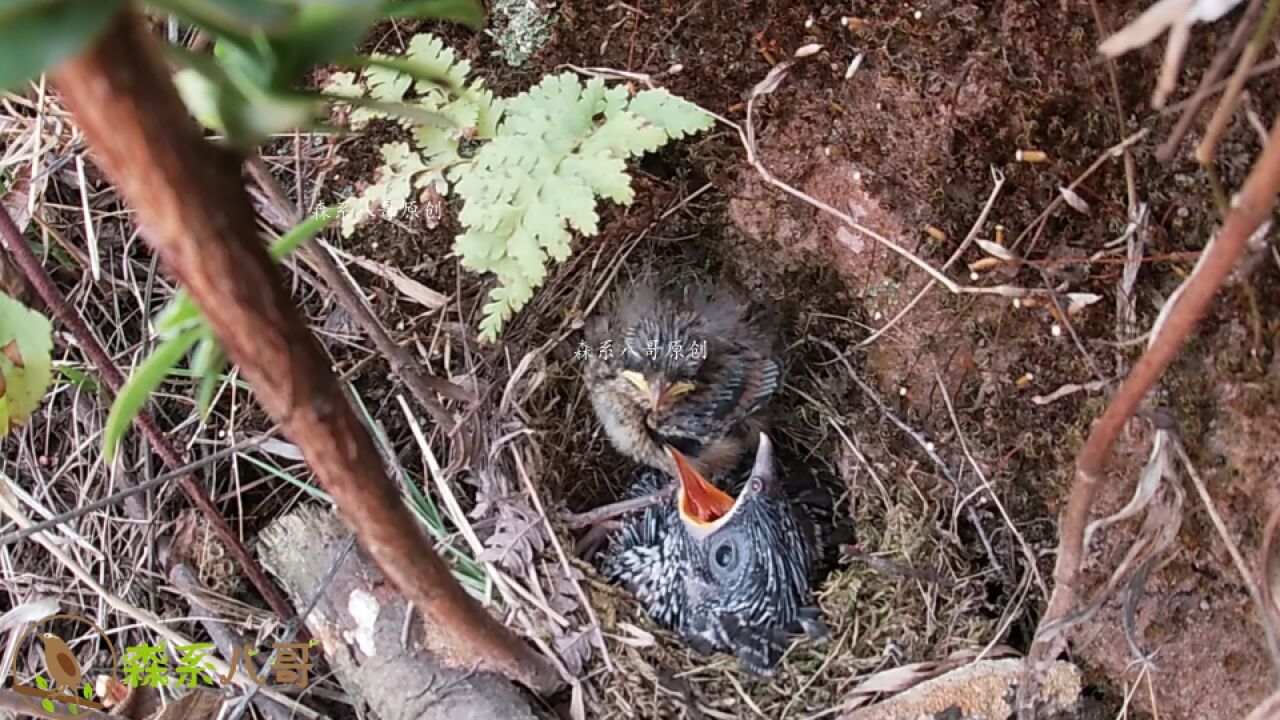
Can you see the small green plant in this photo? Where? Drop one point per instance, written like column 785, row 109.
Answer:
column 26, row 363
column 181, row 328
column 546, row 156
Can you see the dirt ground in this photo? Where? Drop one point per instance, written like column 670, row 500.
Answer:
column 910, row 145
column 946, row 91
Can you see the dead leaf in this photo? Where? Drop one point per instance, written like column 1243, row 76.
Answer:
column 574, row 648
column 198, row 704
column 410, row 288
column 14, row 354
column 997, row 250
column 1079, row 301
column 1073, row 199
column 772, row 80
column 1158, row 18
column 280, row 448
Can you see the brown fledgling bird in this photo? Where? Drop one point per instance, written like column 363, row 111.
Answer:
column 687, row 370
column 61, row 663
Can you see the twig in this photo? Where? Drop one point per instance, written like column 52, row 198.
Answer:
column 564, row 561
column 223, row 637
column 747, row 135
column 114, row 380
column 998, row 177
column 295, row 627
column 142, row 487
column 925, row 445
column 190, row 198
column 1254, row 207
column 982, row 477
column 421, row 384
column 595, row 516
column 1227, row 105
column 1208, row 83
column 9, row 506
column 1255, row 594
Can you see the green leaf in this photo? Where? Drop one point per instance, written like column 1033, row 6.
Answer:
column 26, row 365
column 47, row 704
column 88, row 691
column 75, row 710
column 224, row 17
column 38, row 34
column 79, row 378
column 141, row 383
column 42, row 683
column 207, row 363
column 303, row 231
column 675, row 116
column 180, row 314
column 466, row 12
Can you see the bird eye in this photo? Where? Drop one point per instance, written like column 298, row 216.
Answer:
column 727, row 557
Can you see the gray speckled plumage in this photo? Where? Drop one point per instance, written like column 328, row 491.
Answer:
column 743, row 588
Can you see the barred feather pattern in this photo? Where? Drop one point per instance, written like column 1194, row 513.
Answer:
column 742, row 589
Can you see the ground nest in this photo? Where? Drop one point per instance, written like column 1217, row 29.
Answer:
column 950, row 448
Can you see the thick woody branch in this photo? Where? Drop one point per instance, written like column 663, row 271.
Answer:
column 1253, row 208
column 194, row 212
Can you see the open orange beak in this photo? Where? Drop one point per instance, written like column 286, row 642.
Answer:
column 699, row 501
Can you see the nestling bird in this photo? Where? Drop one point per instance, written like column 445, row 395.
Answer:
column 61, row 663
column 724, row 574
column 690, row 372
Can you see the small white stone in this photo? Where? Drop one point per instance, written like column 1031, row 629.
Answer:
column 675, row 69
column 1017, row 302
column 902, row 392
column 973, row 276
column 929, row 445
column 918, row 15
column 1056, row 330
column 807, row 50
column 808, row 23
column 879, row 315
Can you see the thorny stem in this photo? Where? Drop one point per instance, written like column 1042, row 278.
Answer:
column 114, row 379
column 1254, row 208
column 192, row 204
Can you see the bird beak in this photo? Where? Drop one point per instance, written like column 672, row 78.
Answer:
column 701, row 504
column 763, row 469
column 657, row 395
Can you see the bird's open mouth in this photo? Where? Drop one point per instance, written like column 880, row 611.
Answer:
column 700, row 501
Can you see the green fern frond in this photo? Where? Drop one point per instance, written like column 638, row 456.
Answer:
column 401, row 172
column 550, row 152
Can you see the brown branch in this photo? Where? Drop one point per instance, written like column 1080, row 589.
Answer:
column 1253, row 209
column 114, row 379
column 196, row 215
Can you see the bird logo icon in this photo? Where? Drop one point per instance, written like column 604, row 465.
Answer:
column 61, row 663
column 59, row 688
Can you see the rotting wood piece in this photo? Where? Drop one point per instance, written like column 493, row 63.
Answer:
column 195, row 213
column 360, row 624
